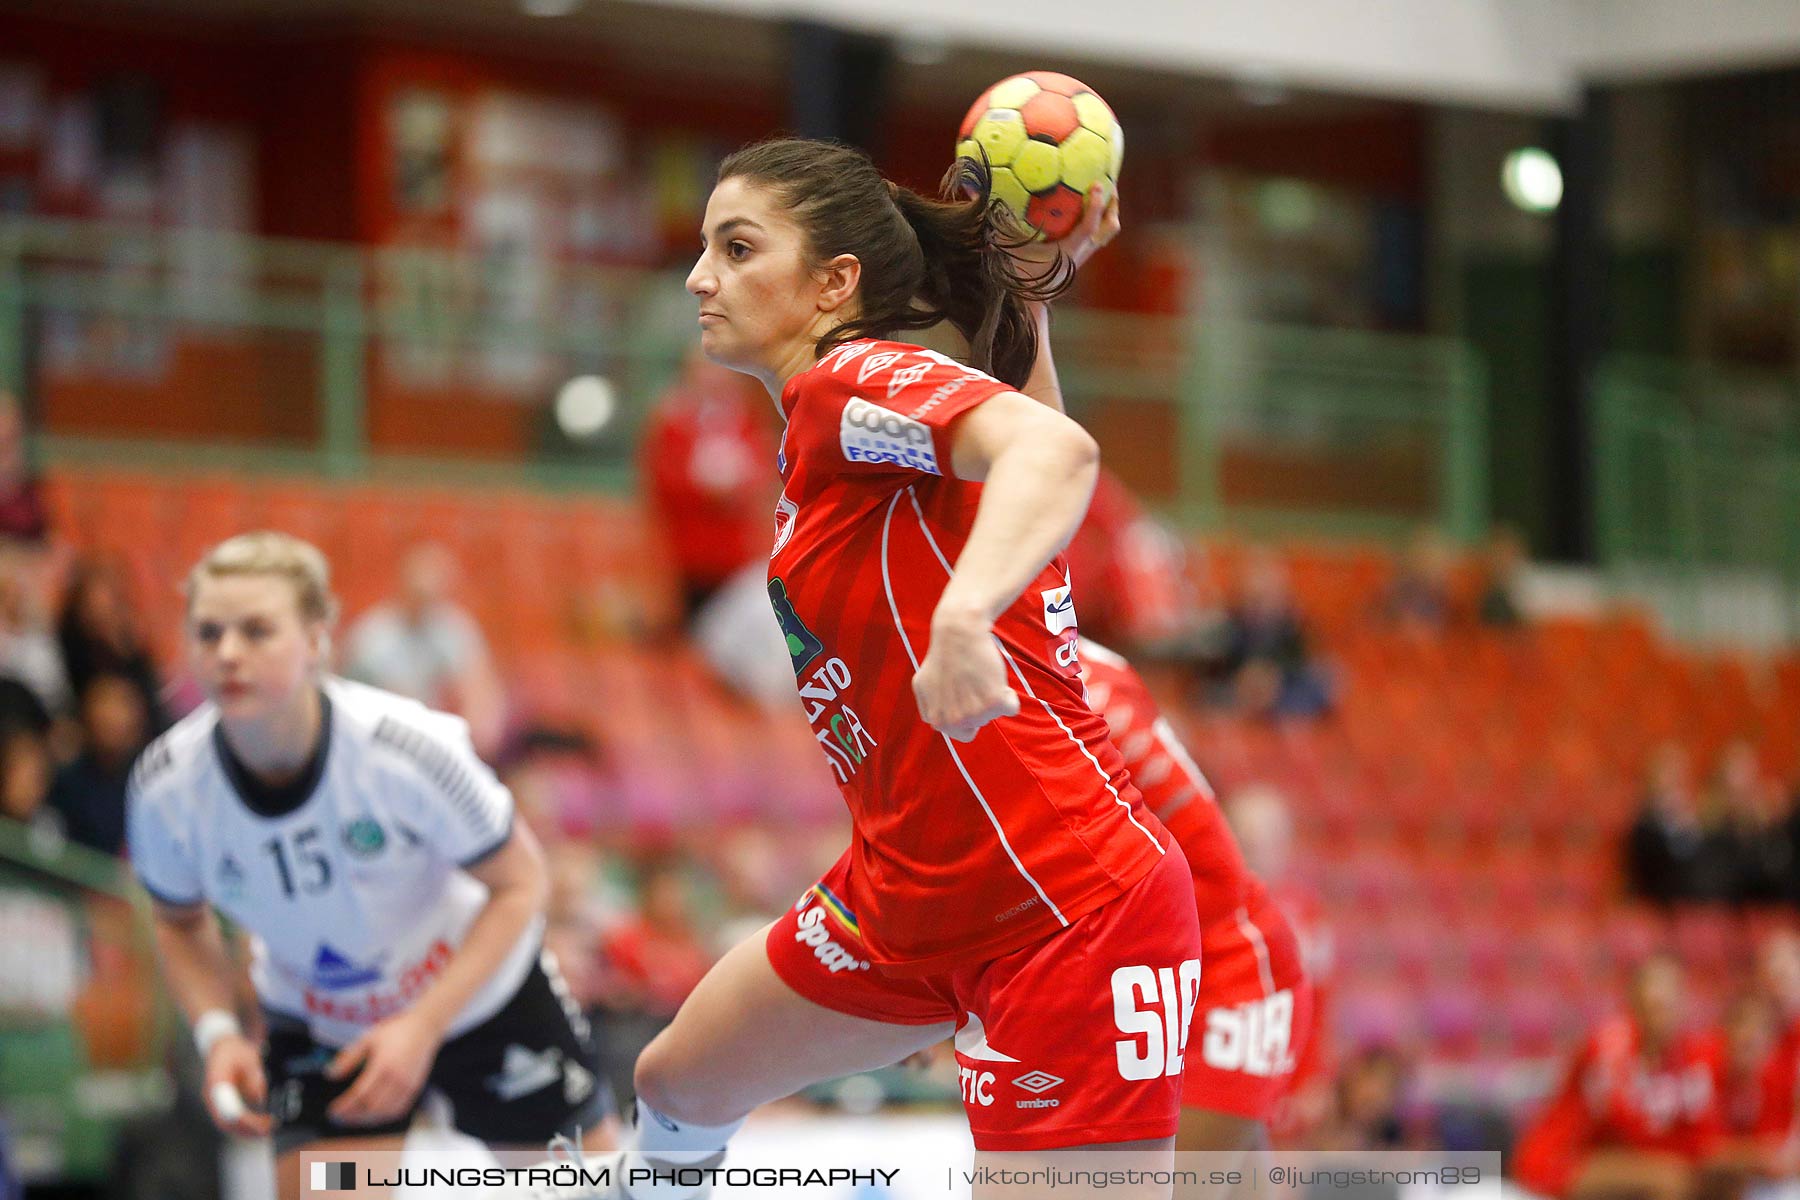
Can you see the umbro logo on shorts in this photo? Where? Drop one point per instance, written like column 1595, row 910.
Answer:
column 1037, row 1082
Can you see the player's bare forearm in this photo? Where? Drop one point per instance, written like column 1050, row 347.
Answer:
column 195, row 962
column 518, row 891
column 1039, row 470
column 1042, row 384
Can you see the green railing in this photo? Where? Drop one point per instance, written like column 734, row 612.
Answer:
column 1697, row 490
column 1251, row 425
column 75, row 936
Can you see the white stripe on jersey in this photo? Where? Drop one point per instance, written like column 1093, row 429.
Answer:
column 1067, row 732
column 888, row 582
column 1254, row 936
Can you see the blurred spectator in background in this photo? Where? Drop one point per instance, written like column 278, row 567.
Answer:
column 1370, row 1095
column 708, row 459
column 1267, row 662
column 1636, row 1112
column 1755, row 1085
column 99, row 634
column 422, row 644
column 22, row 515
column 1778, row 979
column 1259, row 819
column 10, row 1186
column 1665, row 847
column 88, row 793
column 654, row 959
column 1131, row 587
column 647, row 966
column 1745, row 853
column 1501, row 605
column 25, row 771
column 1420, row 597
column 28, row 650
column 571, row 919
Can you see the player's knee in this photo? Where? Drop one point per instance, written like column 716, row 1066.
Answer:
column 665, row 1080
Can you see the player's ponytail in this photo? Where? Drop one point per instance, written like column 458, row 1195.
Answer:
column 924, row 261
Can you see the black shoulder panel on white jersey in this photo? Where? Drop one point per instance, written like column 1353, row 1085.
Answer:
column 439, row 764
column 152, row 764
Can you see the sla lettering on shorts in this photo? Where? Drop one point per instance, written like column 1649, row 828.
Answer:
column 869, row 433
column 811, row 931
column 1153, row 1007
column 1254, row 1037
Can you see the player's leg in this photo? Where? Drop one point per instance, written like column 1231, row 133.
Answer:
column 1632, row 1175
column 1206, row 1129
column 744, row 1038
column 1252, row 1021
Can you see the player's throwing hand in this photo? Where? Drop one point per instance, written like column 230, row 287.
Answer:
column 961, row 685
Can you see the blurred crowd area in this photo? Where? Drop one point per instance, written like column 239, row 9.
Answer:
column 1483, row 812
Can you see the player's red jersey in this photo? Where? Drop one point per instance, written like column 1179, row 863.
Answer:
column 1172, row 785
column 1614, row 1096
column 961, row 852
column 1758, row 1103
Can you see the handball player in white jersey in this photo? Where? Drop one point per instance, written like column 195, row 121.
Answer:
column 395, row 908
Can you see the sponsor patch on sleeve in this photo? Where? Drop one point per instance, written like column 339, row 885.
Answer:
column 869, row 433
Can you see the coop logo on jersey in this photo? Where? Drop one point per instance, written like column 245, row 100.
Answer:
column 802, row 646
column 364, row 838
column 335, row 973
column 873, row 434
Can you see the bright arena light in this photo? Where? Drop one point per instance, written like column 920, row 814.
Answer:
column 1532, row 180
column 585, row 406
column 549, row 8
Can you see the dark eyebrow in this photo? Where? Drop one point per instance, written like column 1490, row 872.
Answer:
column 726, row 227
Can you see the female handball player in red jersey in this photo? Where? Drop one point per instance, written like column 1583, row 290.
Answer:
column 1254, row 1016
column 1004, row 881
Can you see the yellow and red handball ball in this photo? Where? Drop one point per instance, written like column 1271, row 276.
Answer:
column 1049, row 138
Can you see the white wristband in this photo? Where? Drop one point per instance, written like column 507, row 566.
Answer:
column 210, row 1026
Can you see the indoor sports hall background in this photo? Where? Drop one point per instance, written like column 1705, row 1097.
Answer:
column 1448, row 366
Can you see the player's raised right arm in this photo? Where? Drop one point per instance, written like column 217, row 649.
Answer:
column 1098, row 227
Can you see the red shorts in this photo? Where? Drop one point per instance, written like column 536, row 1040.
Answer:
column 1254, row 1018
column 1070, row 1041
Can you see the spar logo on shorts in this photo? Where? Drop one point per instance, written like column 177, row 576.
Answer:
column 869, row 433
column 810, row 931
column 1153, row 1008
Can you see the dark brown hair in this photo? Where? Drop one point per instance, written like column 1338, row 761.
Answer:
column 923, row 260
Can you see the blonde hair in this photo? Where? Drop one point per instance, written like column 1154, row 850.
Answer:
column 268, row 552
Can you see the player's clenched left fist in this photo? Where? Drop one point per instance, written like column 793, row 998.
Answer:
column 961, row 685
